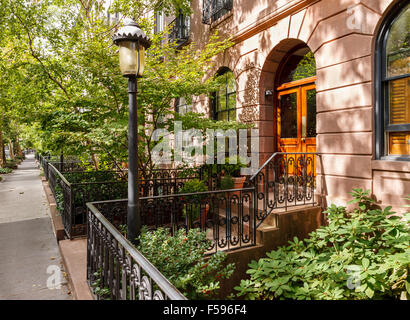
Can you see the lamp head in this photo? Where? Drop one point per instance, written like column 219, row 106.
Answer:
column 132, row 43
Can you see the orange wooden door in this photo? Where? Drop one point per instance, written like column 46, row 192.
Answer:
column 296, row 119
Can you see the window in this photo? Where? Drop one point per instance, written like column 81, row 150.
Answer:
column 393, row 86
column 182, row 107
column 180, row 28
column 300, row 64
column 212, row 10
column 225, row 99
column 159, row 22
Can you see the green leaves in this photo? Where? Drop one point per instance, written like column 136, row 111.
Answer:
column 180, row 258
column 360, row 254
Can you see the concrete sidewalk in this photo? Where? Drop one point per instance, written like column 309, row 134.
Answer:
column 30, row 262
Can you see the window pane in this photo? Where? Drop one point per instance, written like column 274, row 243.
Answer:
column 399, row 96
column 311, row 113
column 230, row 81
column 221, row 102
column 232, row 115
column 226, row 95
column 222, row 116
column 399, row 143
column 288, row 116
column 398, row 45
column 231, row 101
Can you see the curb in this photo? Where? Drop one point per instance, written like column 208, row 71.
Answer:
column 56, row 219
column 73, row 252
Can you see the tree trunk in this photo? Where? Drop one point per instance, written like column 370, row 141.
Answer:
column 17, row 148
column 11, row 151
column 2, row 152
column 95, row 160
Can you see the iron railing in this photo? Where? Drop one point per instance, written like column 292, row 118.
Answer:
column 285, row 180
column 73, row 189
column 72, row 196
column 180, row 29
column 228, row 216
column 212, row 10
column 116, row 266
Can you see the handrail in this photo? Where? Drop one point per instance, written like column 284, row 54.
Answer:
column 158, row 278
column 273, row 156
column 178, row 195
column 60, row 175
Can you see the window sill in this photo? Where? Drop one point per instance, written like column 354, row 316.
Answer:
column 401, row 164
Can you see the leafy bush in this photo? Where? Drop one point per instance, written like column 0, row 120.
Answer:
column 194, row 206
column 5, row 170
column 85, row 190
column 11, row 164
column 227, row 183
column 362, row 254
column 233, row 169
column 180, row 258
column 194, row 186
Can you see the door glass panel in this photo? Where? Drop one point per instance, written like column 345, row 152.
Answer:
column 232, row 115
column 288, row 116
column 311, row 113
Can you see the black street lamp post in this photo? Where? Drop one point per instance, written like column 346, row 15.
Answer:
column 132, row 43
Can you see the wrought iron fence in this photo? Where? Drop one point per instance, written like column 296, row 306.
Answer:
column 73, row 189
column 72, row 194
column 118, row 269
column 285, row 180
column 227, row 216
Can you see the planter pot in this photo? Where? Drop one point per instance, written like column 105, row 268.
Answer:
column 238, row 183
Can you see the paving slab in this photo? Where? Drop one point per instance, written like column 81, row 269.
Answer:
column 74, row 253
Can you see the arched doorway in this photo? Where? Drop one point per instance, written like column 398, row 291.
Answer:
column 295, row 102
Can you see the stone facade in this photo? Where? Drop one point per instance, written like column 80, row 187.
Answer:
column 342, row 35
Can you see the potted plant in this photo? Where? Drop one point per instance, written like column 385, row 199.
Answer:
column 194, row 201
column 233, row 170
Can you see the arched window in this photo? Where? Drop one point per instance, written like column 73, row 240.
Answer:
column 300, row 64
column 224, row 101
column 392, row 110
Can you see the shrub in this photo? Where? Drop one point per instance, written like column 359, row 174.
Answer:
column 180, row 258
column 194, row 186
column 194, row 206
column 362, row 254
column 11, row 164
column 227, row 183
column 5, row 170
column 231, row 169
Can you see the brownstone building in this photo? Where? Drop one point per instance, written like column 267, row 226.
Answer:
column 325, row 76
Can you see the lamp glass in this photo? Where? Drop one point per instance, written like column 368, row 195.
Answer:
column 132, row 58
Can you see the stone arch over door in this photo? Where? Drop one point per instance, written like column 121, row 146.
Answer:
column 267, row 105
